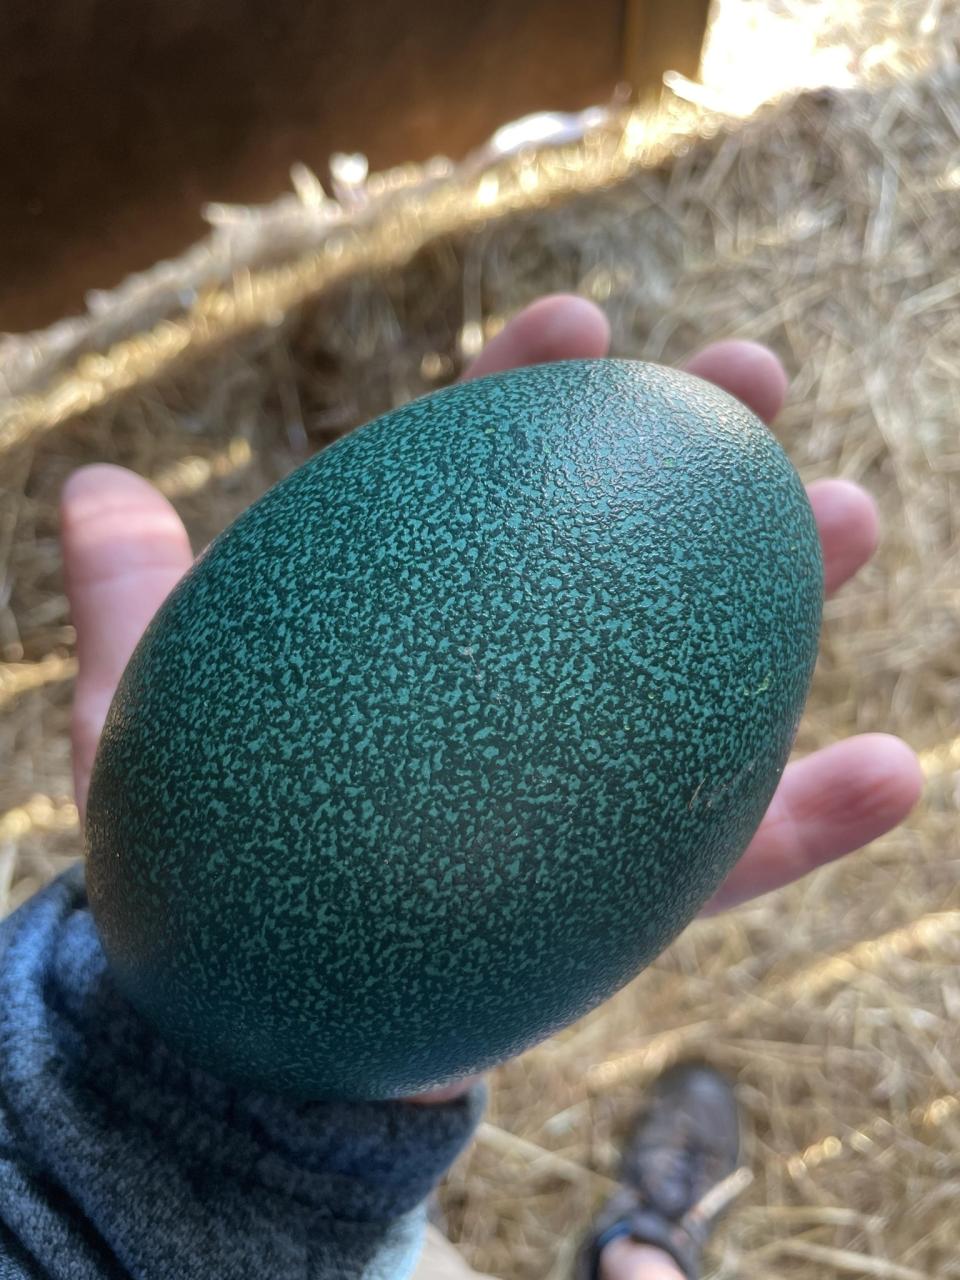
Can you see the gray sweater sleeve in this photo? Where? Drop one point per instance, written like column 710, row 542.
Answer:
column 120, row 1160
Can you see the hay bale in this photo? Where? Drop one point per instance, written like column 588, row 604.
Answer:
column 827, row 227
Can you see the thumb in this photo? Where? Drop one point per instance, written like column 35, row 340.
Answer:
column 124, row 549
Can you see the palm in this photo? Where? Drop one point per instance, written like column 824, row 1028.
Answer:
column 125, row 548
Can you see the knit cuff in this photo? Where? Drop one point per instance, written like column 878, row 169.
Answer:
column 166, row 1168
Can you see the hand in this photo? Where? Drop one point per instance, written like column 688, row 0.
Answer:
column 125, row 548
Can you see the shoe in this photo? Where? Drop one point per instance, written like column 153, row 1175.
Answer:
column 686, row 1142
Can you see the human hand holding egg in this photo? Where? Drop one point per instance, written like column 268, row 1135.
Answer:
column 125, row 549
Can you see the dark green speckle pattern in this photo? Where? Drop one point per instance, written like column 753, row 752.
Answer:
column 449, row 735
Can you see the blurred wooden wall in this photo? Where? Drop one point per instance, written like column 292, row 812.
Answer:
column 120, row 118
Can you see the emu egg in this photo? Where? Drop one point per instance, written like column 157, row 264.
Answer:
column 448, row 735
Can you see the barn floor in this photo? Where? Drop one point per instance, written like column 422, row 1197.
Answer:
column 827, row 226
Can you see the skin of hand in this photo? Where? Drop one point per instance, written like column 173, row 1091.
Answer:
column 125, row 548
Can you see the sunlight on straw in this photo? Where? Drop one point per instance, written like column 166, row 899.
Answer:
column 938, row 1112
column 828, row 1148
column 719, row 1197
column 189, row 475
column 487, row 191
column 919, row 935
column 39, row 813
column 812, row 982
column 20, row 677
column 832, row 1147
column 941, row 759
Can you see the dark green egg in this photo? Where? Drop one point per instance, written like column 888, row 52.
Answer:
column 455, row 729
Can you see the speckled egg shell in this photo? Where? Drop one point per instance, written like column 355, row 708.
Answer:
column 450, row 733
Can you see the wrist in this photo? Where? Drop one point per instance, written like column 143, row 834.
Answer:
column 447, row 1093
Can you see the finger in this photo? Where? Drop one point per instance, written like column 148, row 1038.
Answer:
column 747, row 370
column 559, row 327
column 846, row 516
column 124, row 548
column 833, row 802
column 447, row 1093
column 848, row 525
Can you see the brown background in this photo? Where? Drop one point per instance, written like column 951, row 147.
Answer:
column 121, row 119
